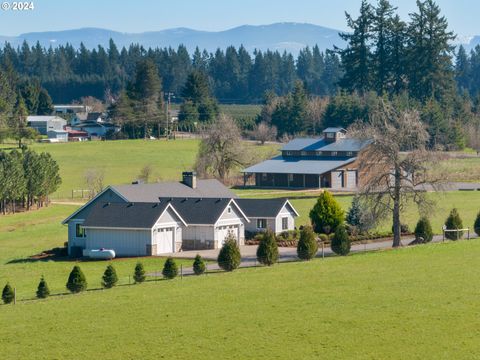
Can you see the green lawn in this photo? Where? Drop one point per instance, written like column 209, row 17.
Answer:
column 121, row 161
column 26, row 234
column 412, row 303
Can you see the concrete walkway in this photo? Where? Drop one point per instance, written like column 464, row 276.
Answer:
column 249, row 253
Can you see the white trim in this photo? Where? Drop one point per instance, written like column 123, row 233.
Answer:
column 91, row 201
column 289, row 203
column 176, row 213
column 115, row 228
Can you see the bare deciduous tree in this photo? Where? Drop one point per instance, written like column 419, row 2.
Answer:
column 146, row 173
column 315, row 108
column 264, row 132
column 221, row 149
column 94, row 180
column 396, row 167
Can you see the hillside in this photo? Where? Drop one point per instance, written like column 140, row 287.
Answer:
column 279, row 36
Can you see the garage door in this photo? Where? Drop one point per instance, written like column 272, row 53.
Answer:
column 164, row 240
column 223, row 232
column 352, row 179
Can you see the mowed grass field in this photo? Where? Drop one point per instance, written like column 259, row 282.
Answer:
column 411, row 303
column 121, row 161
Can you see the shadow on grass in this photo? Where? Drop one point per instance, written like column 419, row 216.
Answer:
column 55, row 254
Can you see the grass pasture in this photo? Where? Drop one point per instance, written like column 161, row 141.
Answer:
column 412, row 303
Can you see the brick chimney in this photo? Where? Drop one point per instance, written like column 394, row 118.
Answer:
column 190, row 179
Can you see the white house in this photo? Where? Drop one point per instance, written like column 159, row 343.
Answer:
column 277, row 215
column 44, row 124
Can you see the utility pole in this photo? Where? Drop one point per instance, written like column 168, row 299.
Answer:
column 169, row 96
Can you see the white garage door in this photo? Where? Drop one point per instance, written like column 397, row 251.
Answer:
column 223, row 232
column 351, row 179
column 337, row 179
column 164, row 240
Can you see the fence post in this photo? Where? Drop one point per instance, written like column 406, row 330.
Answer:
column 14, row 296
column 468, row 234
column 323, row 251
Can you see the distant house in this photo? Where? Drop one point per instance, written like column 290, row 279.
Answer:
column 159, row 218
column 96, row 129
column 326, row 162
column 43, row 124
column 70, row 109
column 76, row 135
column 277, row 215
column 57, row 135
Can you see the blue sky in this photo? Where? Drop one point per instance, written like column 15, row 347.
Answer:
column 213, row 15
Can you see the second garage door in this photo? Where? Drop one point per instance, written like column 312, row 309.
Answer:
column 223, row 232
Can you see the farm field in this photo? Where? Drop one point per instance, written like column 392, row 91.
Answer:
column 384, row 305
column 122, row 160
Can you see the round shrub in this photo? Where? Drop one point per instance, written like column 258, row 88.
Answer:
column 170, row 269
column 110, row 277
column 307, row 245
column 423, row 230
column 229, row 257
column 267, row 251
column 139, row 273
column 340, row 242
column 8, row 294
column 76, row 280
column 404, row 229
column 476, row 225
column 454, row 222
column 199, row 266
column 326, row 214
column 42, row 290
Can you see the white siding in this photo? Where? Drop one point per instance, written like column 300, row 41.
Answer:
column 230, row 221
column 124, row 242
column 284, row 213
column 252, row 225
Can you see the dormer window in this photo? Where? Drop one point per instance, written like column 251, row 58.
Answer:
column 334, row 153
column 288, row 153
column 303, row 153
column 349, row 153
column 319, row 153
column 330, row 135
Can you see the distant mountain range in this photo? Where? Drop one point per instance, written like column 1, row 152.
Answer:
column 279, row 36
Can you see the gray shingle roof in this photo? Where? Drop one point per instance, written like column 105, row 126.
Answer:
column 261, row 207
column 302, row 143
column 280, row 165
column 199, row 210
column 124, row 215
column 210, row 188
column 334, row 129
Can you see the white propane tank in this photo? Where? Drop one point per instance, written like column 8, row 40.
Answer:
column 100, row 254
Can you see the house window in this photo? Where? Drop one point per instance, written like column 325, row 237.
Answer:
column 319, row 153
column 334, row 153
column 303, row 153
column 79, row 231
column 285, row 223
column 229, row 210
column 349, row 153
column 261, row 223
column 330, row 135
column 289, row 153
column 264, row 176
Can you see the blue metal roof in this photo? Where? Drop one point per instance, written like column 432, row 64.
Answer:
column 313, row 144
column 280, row 165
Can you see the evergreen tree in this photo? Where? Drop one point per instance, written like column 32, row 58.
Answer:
column 229, row 257
column 430, row 68
column 45, row 105
column 197, row 99
column 170, row 269
column 357, row 56
column 326, row 215
column 267, row 251
column 340, row 242
column 109, row 278
column 476, row 225
column 139, row 273
column 199, row 266
column 8, row 295
column 42, row 290
column 307, row 246
column 423, row 230
column 76, row 280
column 462, row 70
column 454, row 222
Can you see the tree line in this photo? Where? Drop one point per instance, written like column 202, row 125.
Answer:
column 27, row 178
column 234, row 74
